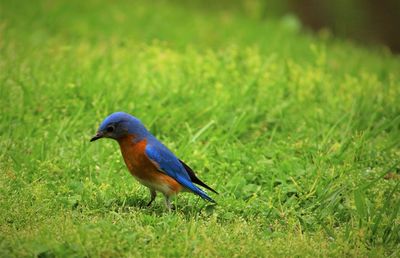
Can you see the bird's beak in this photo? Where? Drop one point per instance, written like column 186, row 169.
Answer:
column 97, row 136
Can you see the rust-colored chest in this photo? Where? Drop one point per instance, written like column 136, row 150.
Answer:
column 143, row 169
column 134, row 156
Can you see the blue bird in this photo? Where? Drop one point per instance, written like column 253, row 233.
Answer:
column 148, row 160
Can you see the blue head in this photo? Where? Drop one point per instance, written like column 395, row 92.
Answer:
column 120, row 124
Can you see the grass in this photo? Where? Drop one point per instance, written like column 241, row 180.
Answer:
column 300, row 134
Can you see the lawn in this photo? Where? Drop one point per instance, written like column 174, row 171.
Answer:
column 299, row 133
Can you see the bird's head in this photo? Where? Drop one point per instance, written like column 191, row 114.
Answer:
column 118, row 125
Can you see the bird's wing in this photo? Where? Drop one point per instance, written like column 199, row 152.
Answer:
column 167, row 163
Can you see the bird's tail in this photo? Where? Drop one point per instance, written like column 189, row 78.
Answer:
column 203, row 195
column 194, row 178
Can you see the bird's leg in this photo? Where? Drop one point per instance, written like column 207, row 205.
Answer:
column 168, row 202
column 153, row 195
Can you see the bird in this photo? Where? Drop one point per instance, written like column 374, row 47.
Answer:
column 150, row 161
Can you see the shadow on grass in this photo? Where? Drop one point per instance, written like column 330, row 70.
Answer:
column 188, row 210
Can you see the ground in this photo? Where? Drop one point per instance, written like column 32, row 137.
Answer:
column 299, row 133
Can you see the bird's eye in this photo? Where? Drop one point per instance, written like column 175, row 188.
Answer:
column 110, row 129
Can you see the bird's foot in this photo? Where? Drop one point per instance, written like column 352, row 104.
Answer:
column 153, row 195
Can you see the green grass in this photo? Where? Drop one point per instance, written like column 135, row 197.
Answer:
column 297, row 133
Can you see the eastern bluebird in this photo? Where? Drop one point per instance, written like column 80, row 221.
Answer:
column 148, row 160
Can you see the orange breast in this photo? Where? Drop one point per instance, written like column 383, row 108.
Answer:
column 143, row 169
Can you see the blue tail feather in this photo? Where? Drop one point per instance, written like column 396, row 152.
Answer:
column 203, row 195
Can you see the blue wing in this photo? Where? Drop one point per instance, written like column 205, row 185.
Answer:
column 166, row 161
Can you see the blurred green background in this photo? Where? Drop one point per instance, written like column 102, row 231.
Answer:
column 366, row 21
